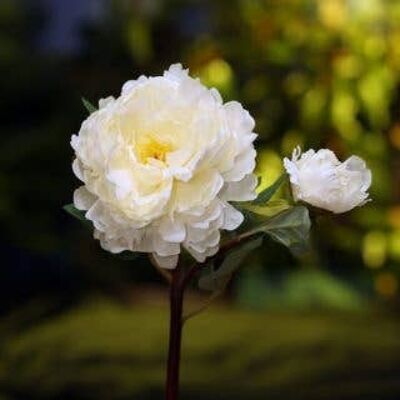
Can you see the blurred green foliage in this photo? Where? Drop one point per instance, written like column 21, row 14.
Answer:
column 243, row 355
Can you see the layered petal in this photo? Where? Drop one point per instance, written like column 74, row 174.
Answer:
column 160, row 164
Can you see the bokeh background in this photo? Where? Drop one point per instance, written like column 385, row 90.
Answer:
column 79, row 324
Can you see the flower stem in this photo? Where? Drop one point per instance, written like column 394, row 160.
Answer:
column 177, row 289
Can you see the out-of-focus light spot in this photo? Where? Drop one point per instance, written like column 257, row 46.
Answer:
column 393, row 216
column 280, row 51
column 386, row 284
column 290, row 140
column 373, row 9
column 374, row 47
column 313, row 105
column 375, row 90
column 394, row 49
column 295, row 84
column 344, row 109
column 139, row 40
column 394, row 244
column 217, row 73
column 269, row 167
column 394, row 136
column 374, row 249
column 296, row 31
column 347, row 67
column 332, row 13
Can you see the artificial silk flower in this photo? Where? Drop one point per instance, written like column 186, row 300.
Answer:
column 320, row 179
column 160, row 164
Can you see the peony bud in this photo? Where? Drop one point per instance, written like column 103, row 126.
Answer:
column 320, row 179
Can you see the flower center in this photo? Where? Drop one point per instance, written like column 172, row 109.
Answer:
column 149, row 147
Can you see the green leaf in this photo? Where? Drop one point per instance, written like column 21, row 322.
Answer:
column 291, row 228
column 89, row 106
column 78, row 214
column 255, row 215
column 268, row 210
column 217, row 279
column 267, row 193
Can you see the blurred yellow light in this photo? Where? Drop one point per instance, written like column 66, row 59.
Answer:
column 394, row 55
column 217, row 73
column 313, row 105
column 269, row 167
column 347, row 66
column 393, row 216
column 374, row 92
column 332, row 13
column 394, row 136
column 344, row 109
column 374, row 249
column 368, row 9
column 394, row 244
column 374, row 47
column 386, row 284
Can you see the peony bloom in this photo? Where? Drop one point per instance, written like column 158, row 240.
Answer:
column 321, row 180
column 160, row 164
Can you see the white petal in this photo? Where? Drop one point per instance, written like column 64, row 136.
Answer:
column 176, row 73
column 129, row 86
column 243, row 190
column 202, row 256
column 355, row 163
column 164, row 248
column 244, row 164
column 78, row 169
column 172, row 230
column 122, row 180
column 210, row 241
column 232, row 218
column 105, row 102
column 113, row 245
column 83, row 199
column 200, row 191
column 168, row 262
column 238, row 118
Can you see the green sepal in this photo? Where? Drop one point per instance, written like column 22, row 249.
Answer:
column 266, row 195
column 89, row 106
column 78, row 214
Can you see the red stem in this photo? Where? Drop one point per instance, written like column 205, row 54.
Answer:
column 177, row 288
column 175, row 333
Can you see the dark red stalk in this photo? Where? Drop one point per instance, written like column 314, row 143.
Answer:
column 180, row 280
column 177, row 289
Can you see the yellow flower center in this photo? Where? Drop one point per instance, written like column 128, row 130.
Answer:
column 150, row 147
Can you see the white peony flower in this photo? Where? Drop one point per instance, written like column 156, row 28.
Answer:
column 160, row 164
column 321, row 180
